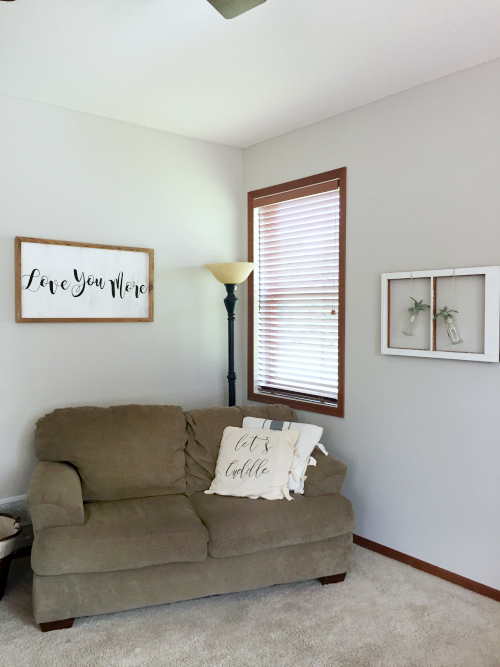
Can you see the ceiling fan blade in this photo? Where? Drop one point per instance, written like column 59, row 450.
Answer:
column 231, row 8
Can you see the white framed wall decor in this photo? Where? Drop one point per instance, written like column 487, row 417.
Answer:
column 63, row 281
column 442, row 313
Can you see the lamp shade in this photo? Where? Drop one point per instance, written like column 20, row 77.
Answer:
column 231, row 8
column 231, row 273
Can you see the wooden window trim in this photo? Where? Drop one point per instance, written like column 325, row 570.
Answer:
column 253, row 197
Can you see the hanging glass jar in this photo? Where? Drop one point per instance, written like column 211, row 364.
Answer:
column 410, row 324
column 453, row 331
column 450, row 325
column 411, row 321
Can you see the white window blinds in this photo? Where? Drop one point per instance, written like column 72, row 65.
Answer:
column 297, row 293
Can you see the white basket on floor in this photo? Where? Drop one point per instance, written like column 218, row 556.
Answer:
column 10, row 529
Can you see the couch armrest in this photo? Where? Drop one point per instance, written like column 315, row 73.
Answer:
column 326, row 477
column 55, row 496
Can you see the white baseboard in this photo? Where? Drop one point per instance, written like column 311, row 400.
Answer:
column 15, row 499
column 16, row 506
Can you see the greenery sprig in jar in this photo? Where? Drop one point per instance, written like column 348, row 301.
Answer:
column 412, row 319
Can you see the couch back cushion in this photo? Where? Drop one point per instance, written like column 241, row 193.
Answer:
column 204, row 434
column 127, row 451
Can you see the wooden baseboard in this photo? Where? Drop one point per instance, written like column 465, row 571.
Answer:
column 457, row 579
column 418, row 564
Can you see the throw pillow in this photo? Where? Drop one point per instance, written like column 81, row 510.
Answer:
column 309, row 436
column 254, row 463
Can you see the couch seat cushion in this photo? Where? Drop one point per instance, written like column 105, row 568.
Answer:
column 123, row 535
column 242, row 525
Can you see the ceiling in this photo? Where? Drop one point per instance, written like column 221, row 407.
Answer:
column 178, row 66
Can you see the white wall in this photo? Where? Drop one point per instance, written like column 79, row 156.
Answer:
column 421, row 437
column 72, row 176
column 423, row 192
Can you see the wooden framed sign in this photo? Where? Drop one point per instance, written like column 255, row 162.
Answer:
column 442, row 313
column 60, row 281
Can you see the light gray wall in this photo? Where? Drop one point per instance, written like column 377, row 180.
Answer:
column 76, row 177
column 421, row 436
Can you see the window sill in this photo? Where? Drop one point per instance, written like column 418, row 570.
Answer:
column 296, row 404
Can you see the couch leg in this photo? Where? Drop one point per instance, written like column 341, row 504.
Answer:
column 333, row 579
column 57, row 625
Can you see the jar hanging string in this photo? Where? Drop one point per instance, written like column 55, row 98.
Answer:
column 454, row 293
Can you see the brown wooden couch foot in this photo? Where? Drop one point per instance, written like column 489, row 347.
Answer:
column 57, row 625
column 333, row 579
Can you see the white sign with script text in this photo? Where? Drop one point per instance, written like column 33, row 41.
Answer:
column 58, row 281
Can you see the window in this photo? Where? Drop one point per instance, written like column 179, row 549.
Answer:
column 296, row 293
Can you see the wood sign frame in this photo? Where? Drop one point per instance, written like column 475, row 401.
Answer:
column 489, row 321
column 58, row 281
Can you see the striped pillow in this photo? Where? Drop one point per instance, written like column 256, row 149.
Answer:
column 309, row 438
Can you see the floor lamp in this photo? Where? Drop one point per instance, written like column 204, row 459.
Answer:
column 231, row 274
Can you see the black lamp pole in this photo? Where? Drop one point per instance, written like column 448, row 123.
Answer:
column 231, row 274
column 231, row 303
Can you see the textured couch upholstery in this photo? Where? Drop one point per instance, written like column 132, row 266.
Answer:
column 239, row 526
column 127, row 451
column 121, row 535
column 121, row 520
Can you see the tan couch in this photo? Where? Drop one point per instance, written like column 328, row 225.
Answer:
column 121, row 520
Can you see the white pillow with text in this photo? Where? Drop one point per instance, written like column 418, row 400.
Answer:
column 254, row 463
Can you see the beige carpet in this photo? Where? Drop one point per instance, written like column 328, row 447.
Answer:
column 385, row 614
